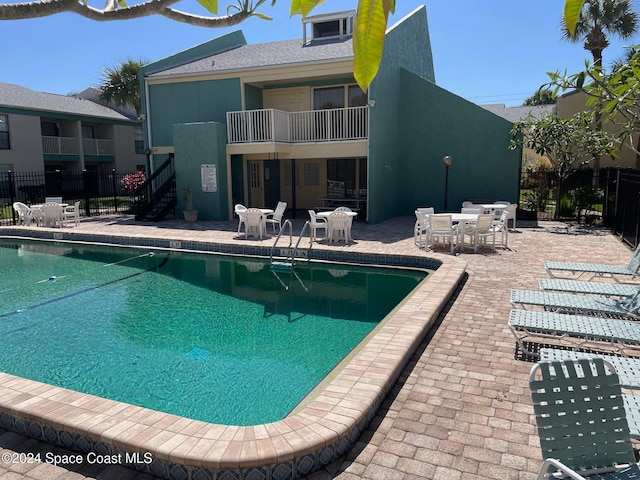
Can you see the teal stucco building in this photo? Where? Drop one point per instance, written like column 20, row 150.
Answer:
column 285, row 121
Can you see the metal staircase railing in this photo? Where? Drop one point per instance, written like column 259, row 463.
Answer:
column 157, row 197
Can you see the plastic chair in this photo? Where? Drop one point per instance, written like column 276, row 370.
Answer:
column 254, row 223
column 239, row 209
column 478, row 210
column 422, row 225
column 442, row 229
column 53, row 215
column 316, row 224
column 72, row 212
column 342, row 209
column 53, row 200
column 24, row 213
column 275, row 218
column 339, row 226
column 500, row 226
column 480, row 231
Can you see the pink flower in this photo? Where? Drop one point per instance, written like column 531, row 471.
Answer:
column 131, row 181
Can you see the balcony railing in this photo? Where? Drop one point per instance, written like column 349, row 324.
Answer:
column 272, row 125
column 71, row 146
column 97, row 146
column 61, row 145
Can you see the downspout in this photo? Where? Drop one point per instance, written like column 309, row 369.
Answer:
column 148, row 122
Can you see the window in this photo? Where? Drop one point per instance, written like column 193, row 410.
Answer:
column 4, row 132
column 338, row 97
column 138, row 139
column 341, row 176
column 330, row 26
column 88, row 131
column 49, row 129
column 357, row 98
column 324, row 98
column 312, row 174
column 255, row 175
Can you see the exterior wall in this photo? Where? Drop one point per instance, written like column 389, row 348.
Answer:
column 386, row 186
column 190, row 102
column 574, row 102
column 252, row 98
column 435, row 123
column 25, row 154
column 125, row 149
column 197, row 144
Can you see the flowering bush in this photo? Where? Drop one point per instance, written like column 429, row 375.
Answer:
column 131, row 181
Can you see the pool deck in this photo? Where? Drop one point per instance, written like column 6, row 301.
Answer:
column 461, row 406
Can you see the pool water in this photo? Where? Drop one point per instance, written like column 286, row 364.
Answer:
column 208, row 337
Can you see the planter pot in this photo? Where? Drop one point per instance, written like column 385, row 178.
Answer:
column 190, row 215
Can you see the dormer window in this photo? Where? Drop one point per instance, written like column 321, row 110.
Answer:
column 330, row 25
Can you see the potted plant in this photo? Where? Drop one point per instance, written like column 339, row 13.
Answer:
column 190, row 215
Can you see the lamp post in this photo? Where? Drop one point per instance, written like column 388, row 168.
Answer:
column 446, row 161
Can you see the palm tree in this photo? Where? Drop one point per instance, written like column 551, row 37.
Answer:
column 120, row 85
column 598, row 21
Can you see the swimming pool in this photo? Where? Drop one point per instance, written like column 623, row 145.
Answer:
column 316, row 433
column 208, row 337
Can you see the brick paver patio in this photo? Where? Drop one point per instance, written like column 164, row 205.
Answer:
column 461, row 408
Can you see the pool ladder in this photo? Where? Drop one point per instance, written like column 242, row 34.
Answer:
column 287, row 265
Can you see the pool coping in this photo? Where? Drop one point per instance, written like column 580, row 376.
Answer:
column 174, row 447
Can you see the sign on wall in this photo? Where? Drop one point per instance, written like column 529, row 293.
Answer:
column 209, row 175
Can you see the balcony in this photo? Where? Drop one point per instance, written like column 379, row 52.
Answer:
column 71, row 146
column 60, row 145
column 276, row 126
column 97, row 146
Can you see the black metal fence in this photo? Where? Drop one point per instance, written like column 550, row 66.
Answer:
column 621, row 208
column 98, row 193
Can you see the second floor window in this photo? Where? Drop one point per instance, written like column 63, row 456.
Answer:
column 4, row 132
column 338, row 97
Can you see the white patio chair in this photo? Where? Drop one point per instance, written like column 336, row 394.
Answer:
column 421, row 228
column 24, row 213
column 511, row 209
column 339, row 227
column 239, row 209
column 478, row 210
column 72, row 212
column 442, row 230
column 467, row 204
column 254, row 223
column 275, row 218
column 53, row 215
column 479, row 231
column 316, row 224
column 53, row 200
column 342, row 209
column 500, row 226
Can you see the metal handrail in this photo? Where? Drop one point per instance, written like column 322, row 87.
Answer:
column 286, row 222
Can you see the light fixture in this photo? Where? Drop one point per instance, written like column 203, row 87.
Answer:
column 446, row 161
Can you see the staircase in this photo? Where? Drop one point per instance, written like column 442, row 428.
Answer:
column 157, row 196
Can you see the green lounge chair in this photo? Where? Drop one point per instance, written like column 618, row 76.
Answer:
column 582, row 421
column 628, row 368
column 629, row 307
column 596, row 269
column 574, row 331
column 604, row 289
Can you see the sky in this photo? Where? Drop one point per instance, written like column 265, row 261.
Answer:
column 488, row 52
